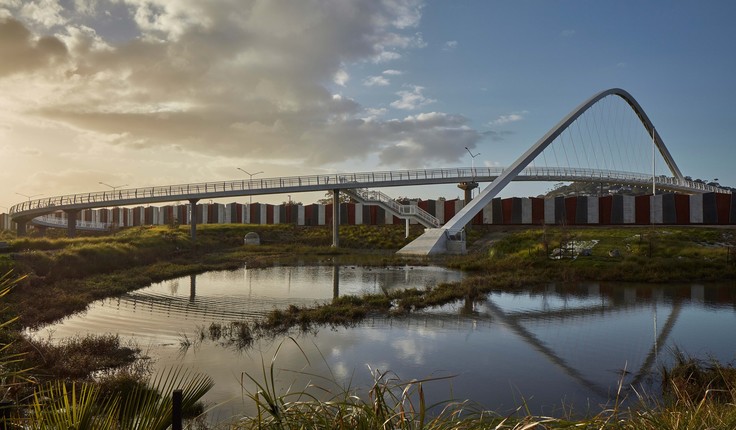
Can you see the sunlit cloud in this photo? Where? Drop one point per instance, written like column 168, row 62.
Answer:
column 505, row 119
column 411, row 100
column 375, row 81
column 341, row 77
column 175, row 83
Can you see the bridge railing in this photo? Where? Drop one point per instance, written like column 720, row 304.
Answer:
column 401, row 209
column 53, row 221
column 362, row 179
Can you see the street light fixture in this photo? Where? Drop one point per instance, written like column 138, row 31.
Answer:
column 250, row 198
column 29, row 197
column 472, row 161
column 114, row 187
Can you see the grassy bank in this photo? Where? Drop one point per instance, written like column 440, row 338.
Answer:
column 63, row 276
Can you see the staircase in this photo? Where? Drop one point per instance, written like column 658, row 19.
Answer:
column 380, row 199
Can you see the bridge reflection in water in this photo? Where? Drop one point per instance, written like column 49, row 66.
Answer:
column 564, row 339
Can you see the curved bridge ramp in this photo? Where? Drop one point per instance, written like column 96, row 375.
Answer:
column 54, row 222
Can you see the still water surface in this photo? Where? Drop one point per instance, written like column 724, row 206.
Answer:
column 548, row 347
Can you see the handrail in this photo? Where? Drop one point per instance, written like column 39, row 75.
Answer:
column 338, row 181
column 411, row 211
column 52, row 221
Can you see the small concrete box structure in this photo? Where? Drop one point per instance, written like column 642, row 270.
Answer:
column 252, row 238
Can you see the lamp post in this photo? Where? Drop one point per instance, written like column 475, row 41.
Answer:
column 472, row 161
column 29, row 197
column 250, row 198
column 114, row 187
column 468, row 187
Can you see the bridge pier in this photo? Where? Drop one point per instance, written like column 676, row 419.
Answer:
column 468, row 187
column 193, row 218
column 335, row 218
column 71, row 223
column 21, row 228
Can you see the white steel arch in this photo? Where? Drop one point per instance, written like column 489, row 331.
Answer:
column 435, row 242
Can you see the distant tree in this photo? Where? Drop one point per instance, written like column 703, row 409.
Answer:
column 344, row 198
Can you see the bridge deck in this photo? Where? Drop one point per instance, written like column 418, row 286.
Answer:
column 295, row 184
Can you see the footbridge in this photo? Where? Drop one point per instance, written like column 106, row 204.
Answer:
column 581, row 148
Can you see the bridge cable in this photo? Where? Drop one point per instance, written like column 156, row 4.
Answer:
column 582, row 142
column 565, row 150
column 606, row 131
column 590, row 143
column 605, row 134
column 574, row 147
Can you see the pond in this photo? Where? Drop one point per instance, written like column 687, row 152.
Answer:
column 550, row 348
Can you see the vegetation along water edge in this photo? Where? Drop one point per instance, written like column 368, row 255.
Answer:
column 53, row 277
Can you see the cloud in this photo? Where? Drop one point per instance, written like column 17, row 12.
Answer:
column 223, row 79
column 411, row 100
column 413, row 141
column 497, row 136
column 449, row 45
column 375, row 81
column 27, row 52
column 44, row 12
column 505, row 119
column 341, row 77
column 567, row 33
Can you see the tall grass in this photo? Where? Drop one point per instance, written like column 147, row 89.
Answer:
column 700, row 396
column 389, row 403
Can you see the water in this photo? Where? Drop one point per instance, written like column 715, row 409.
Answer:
column 549, row 347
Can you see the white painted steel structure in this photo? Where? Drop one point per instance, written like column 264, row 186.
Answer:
column 294, row 184
column 438, row 242
column 499, row 177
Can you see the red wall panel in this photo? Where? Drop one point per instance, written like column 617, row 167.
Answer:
column 682, row 208
column 507, row 208
column 605, row 204
column 269, row 214
column 723, row 206
column 537, row 211
column 641, row 205
column 351, row 213
column 449, row 209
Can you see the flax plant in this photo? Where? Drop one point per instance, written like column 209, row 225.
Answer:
column 11, row 375
column 146, row 407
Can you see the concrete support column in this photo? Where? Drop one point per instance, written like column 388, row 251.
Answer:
column 335, row 218
column 406, row 231
column 71, row 223
column 468, row 187
column 20, row 227
column 193, row 218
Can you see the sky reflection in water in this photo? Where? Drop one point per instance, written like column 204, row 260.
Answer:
column 548, row 347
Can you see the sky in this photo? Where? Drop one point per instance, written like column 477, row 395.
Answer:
column 104, row 93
